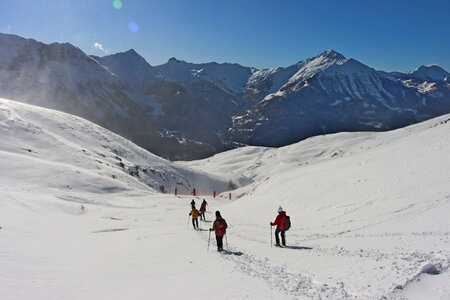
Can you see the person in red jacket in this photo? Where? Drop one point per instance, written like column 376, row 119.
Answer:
column 203, row 209
column 279, row 222
column 220, row 227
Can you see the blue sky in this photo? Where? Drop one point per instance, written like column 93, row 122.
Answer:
column 391, row 35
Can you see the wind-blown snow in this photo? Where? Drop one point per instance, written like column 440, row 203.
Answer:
column 71, row 150
column 369, row 216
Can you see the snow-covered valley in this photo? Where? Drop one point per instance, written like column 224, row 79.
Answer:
column 82, row 215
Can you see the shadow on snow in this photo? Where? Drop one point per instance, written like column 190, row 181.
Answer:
column 227, row 252
column 298, row 247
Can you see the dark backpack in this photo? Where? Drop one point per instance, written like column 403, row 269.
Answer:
column 287, row 222
column 220, row 227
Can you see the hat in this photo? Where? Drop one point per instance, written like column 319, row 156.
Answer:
column 280, row 209
column 217, row 213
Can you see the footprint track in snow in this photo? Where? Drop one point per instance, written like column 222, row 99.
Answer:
column 281, row 278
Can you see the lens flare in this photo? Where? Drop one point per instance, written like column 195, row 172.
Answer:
column 133, row 26
column 117, row 4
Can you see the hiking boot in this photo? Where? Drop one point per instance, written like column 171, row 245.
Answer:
column 277, row 245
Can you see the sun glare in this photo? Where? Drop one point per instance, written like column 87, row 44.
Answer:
column 117, row 4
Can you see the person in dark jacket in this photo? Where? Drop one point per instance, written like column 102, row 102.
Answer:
column 220, row 227
column 192, row 203
column 203, row 209
column 279, row 222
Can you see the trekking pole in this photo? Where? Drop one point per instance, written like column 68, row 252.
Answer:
column 271, row 243
column 226, row 242
column 188, row 222
column 209, row 238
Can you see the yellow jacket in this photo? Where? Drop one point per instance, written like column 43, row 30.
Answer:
column 194, row 213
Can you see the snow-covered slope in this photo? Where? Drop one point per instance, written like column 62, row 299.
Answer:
column 65, row 152
column 369, row 216
column 369, row 211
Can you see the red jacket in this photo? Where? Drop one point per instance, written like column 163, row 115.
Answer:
column 280, row 219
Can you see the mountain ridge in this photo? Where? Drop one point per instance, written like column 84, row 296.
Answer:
column 181, row 110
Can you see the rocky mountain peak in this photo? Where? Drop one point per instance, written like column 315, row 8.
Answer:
column 332, row 54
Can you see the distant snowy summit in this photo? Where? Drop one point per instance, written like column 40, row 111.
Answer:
column 181, row 110
column 330, row 93
column 431, row 73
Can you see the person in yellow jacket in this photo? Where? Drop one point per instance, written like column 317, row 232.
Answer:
column 194, row 213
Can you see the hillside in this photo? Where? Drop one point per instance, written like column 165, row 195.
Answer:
column 65, row 152
column 372, row 206
column 369, row 216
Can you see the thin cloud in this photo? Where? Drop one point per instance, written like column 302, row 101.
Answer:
column 100, row 47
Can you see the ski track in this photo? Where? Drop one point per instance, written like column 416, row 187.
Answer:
column 110, row 230
column 281, row 278
column 410, row 266
column 93, row 202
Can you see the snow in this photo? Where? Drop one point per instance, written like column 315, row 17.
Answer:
column 373, row 207
column 369, row 216
column 317, row 64
column 47, row 75
column 422, row 87
column 333, row 72
column 278, row 77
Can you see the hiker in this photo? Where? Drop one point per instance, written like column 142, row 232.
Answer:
column 194, row 214
column 280, row 222
column 203, row 209
column 220, row 227
column 192, row 203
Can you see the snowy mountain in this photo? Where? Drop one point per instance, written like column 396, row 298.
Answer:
column 229, row 77
column 124, row 95
column 59, row 76
column 81, row 219
column 430, row 73
column 66, row 152
column 329, row 93
column 184, row 111
column 220, row 85
column 131, row 68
